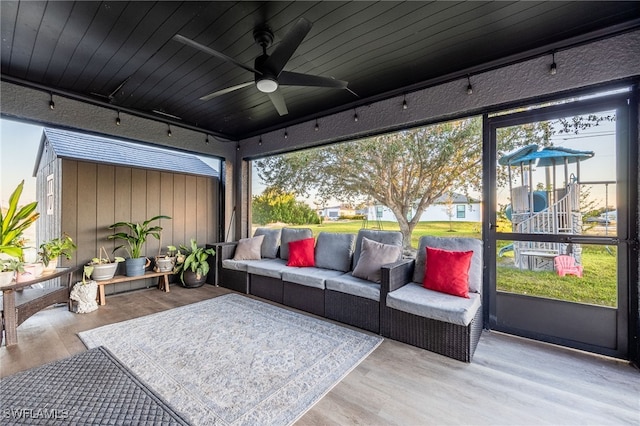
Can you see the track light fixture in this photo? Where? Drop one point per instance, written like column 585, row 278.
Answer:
column 169, row 130
column 260, row 140
column 316, row 127
column 118, row 119
column 355, row 115
column 286, row 135
column 238, row 146
column 469, row 86
column 52, row 104
column 206, row 140
column 404, row 102
column 553, row 69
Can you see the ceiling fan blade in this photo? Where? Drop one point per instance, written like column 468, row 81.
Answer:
column 287, row 78
column 278, row 101
column 225, row 91
column 285, row 49
column 205, row 49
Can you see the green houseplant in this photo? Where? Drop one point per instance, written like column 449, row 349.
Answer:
column 8, row 270
column 135, row 237
column 103, row 268
column 192, row 265
column 51, row 250
column 14, row 222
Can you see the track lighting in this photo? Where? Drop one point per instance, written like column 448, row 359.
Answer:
column 52, row 104
column 118, row 119
column 238, row 147
column 260, row 141
column 553, row 69
column 206, row 140
column 469, row 86
column 317, row 127
column 355, row 115
column 169, row 130
column 286, row 135
column 404, row 102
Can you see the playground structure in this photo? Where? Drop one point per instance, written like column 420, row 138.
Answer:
column 554, row 210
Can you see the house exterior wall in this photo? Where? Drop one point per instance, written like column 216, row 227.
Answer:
column 94, row 196
column 433, row 213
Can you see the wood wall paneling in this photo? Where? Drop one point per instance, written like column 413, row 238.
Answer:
column 179, row 209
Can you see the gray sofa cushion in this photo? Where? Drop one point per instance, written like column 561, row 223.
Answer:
column 384, row 237
column 349, row 284
column 239, row 265
column 372, row 256
column 271, row 241
column 417, row 300
column 310, row 277
column 292, row 234
column 268, row 268
column 249, row 248
column 334, row 251
column 452, row 244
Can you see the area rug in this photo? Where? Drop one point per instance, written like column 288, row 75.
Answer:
column 233, row 360
column 92, row 387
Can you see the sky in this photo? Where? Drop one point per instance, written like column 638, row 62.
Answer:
column 19, row 143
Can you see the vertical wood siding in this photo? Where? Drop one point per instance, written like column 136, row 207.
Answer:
column 94, row 196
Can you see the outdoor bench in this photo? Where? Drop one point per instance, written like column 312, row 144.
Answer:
column 163, row 282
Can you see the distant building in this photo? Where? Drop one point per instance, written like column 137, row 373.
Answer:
column 335, row 212
column 455, row 207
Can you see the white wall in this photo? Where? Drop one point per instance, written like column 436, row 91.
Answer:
column 434, row 213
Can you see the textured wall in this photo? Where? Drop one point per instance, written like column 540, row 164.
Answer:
column 599, row 62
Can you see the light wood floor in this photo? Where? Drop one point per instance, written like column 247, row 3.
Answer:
column 511, row 381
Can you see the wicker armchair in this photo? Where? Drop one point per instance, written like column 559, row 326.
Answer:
column 455, row 340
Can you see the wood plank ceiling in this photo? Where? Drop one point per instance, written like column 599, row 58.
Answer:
column 124, row 54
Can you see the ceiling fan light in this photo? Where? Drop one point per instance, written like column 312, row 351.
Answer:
column 267, row 85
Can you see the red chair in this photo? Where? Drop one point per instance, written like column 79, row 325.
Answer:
column 567, row 265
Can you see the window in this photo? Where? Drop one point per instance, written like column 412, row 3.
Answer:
column 460, row 211
column 50, row 195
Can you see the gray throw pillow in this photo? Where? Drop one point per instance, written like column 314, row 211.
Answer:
column 334, row 251
column 372, row 256
column 249, row 248
column 271, row 241
column 292, row 234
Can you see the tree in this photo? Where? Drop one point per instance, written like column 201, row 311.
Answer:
column 275, row 205
column 405, row 171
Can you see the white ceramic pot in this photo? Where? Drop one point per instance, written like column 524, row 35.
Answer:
column 52, row 265
column 6, row 277
column 104, row 271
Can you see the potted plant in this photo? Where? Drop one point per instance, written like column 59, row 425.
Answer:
column 52, row 249
column 8, row 269
column 166, row 262
column 102, row 267
column 192, row 265
column 85, row 293
column 14, row 222
column 135, row 237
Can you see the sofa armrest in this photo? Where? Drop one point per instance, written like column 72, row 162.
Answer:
column 395, row 275
column 225, row 250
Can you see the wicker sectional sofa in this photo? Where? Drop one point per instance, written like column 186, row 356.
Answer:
column 397, row 307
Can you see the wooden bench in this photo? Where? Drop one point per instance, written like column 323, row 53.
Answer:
column 163, row 282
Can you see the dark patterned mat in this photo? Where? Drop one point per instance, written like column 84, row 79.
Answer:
column 91, row 388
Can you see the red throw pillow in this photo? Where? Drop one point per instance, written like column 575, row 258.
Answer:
column 447, row 271
column 301, row 253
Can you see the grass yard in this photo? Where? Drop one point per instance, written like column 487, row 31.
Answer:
column 597, row 286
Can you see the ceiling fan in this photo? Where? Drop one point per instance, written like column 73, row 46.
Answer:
column 268, row 69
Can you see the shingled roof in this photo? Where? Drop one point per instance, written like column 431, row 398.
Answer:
column 98, row 149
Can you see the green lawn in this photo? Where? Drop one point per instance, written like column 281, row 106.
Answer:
column 598, row 285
